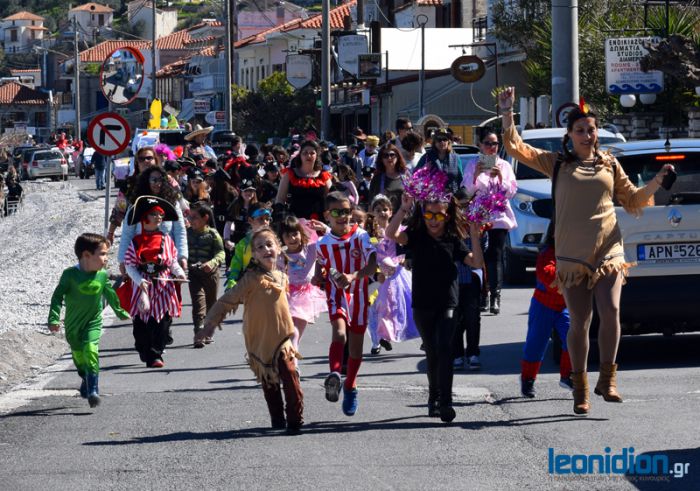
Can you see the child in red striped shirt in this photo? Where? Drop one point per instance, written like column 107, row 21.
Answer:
column 151, row 263
column 348, row 258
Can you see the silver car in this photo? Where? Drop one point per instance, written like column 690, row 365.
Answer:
column 47, row 163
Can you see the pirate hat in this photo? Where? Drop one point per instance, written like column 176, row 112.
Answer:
column 144, row 204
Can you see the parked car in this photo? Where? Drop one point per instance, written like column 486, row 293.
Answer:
column 83, row 165
column 532, row 205
column 45, row 162
column 661, row 291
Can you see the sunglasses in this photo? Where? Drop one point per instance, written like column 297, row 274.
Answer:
column 144, row 159
column 155, row 180
column 490, row 144
column 261, row 212
column 390, row 155
column 340, row 212
column 438, row 217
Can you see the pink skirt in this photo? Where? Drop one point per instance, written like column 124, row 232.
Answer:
column 306, row 302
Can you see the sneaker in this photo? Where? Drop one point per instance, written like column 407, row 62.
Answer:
column 527, row 387
column 208, row 340
column 474, row 363
column 386, row 344
column 447, row 414
column 332, row 385
column 375, row 351
column 157, row 364
column 349, row 401
column 566, row 383
column 198, row 344
column 458, row 363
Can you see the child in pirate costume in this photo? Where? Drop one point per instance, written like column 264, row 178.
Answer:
column 82, row 288
column 151, row 263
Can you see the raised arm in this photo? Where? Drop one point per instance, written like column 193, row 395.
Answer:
column 536, row 158
column 392, row 231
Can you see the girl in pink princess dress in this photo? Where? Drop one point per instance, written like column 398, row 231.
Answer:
column 306, row 301
column 391, row 316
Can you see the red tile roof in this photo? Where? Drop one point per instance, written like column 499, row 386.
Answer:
column 208, row 23
column 99, row 52
column 14, row 93
column 175, row 68
column 336, row 15
column 202, row 40
column 174, row 41
column 24, row 15
column 36, row 28
column 92, row 7
column 429, row 3
column 29, row 70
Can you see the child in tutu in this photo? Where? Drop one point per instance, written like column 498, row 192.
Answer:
column 267, row 329
column 391, row 318
column 306, row 301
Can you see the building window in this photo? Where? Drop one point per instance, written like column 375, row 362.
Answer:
column 262, row 72
column 101, row 20
column 13, row 36
column 480, row 26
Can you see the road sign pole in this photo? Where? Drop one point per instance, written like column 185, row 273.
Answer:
column 108, row 190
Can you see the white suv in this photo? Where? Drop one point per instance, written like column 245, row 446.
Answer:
column 532, row 205
column 661, row 294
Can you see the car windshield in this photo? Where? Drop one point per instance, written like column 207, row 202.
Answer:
column 642, row 168
column 551, row 145
column 47, row 156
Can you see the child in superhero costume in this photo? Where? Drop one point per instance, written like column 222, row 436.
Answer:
column 82, row 288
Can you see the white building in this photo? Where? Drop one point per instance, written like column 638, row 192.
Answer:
column 90, row 18
column 21, row 31
column 142, row 11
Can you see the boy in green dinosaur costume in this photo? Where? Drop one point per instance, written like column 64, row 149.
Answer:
column 81, row 288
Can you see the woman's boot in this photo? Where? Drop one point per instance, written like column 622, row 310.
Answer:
column 496, row 302
column 582, row 402
column 607, row 383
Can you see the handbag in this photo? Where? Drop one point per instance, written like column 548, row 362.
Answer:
column 124, row 293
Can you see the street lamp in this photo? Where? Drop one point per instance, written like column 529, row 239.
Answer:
column 628, row 100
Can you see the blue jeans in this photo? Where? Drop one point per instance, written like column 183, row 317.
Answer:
column 100, row 177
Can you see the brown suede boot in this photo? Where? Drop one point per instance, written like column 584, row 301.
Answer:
column 607, row 383
column 581, row 401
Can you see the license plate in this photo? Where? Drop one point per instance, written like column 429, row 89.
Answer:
column 669, row 253
column 50, row 164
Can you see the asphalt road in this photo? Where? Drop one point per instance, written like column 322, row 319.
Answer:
column 201, row 422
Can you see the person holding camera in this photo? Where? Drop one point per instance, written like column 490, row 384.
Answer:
column 482, row 175
column 590, row 256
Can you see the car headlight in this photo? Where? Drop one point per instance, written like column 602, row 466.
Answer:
column 523, row 203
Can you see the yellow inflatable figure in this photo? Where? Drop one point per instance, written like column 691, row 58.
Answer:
column 156, row 110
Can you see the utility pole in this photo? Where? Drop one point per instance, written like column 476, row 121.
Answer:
column 76, row 82
column 325, row 70
column 422, row 19
column 228, row 48
column 153, row 52
column 564, row 54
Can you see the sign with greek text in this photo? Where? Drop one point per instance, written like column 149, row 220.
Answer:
column 623, row 74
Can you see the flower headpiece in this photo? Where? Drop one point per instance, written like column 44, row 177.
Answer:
column 427, row 184
column 484, row 206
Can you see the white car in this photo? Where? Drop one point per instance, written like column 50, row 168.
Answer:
column 661, row 294
column 532, row 205
column 46, row 162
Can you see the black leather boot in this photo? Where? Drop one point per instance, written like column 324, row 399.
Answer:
column 496, row 303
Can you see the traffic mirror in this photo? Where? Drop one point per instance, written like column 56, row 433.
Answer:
column 121, row 76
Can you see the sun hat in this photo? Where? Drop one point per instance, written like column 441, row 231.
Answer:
column 198, row 130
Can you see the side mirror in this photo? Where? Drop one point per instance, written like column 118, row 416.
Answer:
column 121, row 76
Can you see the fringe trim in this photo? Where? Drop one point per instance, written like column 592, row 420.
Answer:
column 568, row 279
column 268, row 373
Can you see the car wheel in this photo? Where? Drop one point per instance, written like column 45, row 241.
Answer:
column 514, row 269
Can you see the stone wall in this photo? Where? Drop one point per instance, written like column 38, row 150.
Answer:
column 694, row 123
column 639, row 126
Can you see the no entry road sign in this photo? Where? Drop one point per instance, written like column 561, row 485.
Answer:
column 108, row 133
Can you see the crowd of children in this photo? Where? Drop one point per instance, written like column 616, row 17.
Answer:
column 403, row 272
